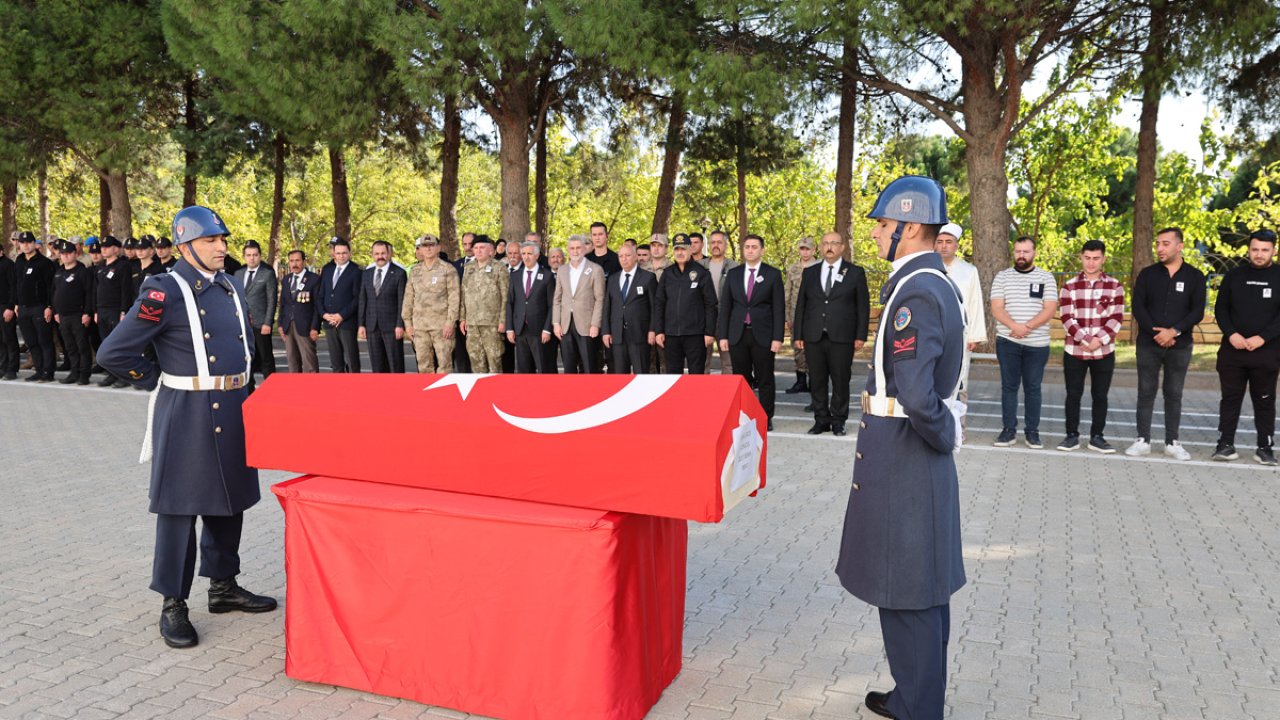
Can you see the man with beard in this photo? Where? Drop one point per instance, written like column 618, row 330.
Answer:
column 1024, row 299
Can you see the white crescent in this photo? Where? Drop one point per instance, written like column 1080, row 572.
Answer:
column 634, row 396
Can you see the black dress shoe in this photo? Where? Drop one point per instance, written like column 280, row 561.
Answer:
column 68, row 379
column 175, row 626
column 819, row 428
column 84, row 380
column 45, row 378
column 838, row 430
column 107, row 381
column 33, row 378
column 226, row 595
column 770, row 424
column 878, row 703
column 120, row 384
column 808, row 408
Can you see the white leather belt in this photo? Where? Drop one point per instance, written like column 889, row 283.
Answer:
column 882, row 406
column 199, row 384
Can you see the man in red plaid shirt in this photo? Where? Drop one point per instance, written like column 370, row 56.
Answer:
column 1092, row 310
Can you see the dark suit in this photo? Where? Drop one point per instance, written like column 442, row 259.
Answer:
column 299, row 315
column 752, row 325
column 341, row 298
column 261, row 294
column 901, row 550
column 529, row 316
column 829, row 321
column 630, row 319
column 380, row 317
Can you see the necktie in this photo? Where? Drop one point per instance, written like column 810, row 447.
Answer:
column 377, row 282
column 831, row 270
column 337, row 272
column 297, row 283
column 250, row 280
column 528, row 281
column 751, row 286
column 626, row 285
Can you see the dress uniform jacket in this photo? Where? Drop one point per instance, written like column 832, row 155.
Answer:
column 686, row 302
column 300, row 305
column 901, row 546
column 198, row 465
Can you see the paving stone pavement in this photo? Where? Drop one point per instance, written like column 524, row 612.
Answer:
column 1100, row 587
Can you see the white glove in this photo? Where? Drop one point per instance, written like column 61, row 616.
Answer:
column 958, row 411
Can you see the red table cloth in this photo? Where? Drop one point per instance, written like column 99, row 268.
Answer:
column 487, row 605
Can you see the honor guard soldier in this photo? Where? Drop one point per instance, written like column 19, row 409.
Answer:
column 485, row 286
column 431, row 303
column 111, row 296
column 794, row 274
column 198, row 321
column 33, row 304
column 73, row 310
column 901, row 548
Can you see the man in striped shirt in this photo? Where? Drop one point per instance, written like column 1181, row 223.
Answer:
column 1092, row 307
column 1024, row 299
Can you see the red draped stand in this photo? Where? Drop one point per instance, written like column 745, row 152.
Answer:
column 473, row 548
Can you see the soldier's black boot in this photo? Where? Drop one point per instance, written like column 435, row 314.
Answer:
column 175, row 626
column 801, row 385
column 226, row 596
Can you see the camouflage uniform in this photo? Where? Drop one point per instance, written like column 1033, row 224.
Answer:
column 793, row 292
column 484, row 298
column 432, row 299
column 657, row 358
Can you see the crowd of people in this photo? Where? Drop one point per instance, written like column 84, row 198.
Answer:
column 671, row 305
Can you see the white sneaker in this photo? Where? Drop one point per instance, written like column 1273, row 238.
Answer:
column 1176, row 451
column 1139, row 448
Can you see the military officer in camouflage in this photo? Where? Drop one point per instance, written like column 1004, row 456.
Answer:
column 794, row 271
column 485, row 286
column 197, row 319
column 432, row 300
column 901, row 550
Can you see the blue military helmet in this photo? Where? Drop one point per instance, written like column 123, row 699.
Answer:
column 192, row 223
column 912, row 198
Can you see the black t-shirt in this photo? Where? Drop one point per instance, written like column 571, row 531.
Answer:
column 608, row 261
column 1249, row 303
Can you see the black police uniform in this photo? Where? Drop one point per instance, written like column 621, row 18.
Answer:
column 72, row 301
column 34, row 295
column 112, row 295
column 8, row 328
column 1249, row 304
column 686, row 314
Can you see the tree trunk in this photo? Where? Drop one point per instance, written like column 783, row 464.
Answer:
column 513, row 159
column 193, row 123
column 740, row 166
column 277, row 200
column 541, row 215
column 450, row 157
column 104, row 207
column 121, row 209
column 8, row 214
column 341, row 198
column 1152, row 80
column 844, row 146
column 672, row 149
column 42, row 185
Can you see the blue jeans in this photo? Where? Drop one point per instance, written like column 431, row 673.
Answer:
column 1020, row 365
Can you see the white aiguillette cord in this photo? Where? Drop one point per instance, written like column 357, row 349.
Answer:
column 202, row 357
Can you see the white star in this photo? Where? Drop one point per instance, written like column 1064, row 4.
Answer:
column 464, row 382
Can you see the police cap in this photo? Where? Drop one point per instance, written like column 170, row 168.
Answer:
column 110, row 241
column 680, row 240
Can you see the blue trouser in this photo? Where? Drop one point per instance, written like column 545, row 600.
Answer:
column 175, row 561
column 1020, row 365
column 915, row 641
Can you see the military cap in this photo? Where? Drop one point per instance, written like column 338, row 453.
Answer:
column 680, row 240
column 65, row 246
column 144, row 242
column 28, row 236
column 806, row 243
column 482, row 239
column 427, row 239
column 164, row 242
column 110, row 241
column 130, row 243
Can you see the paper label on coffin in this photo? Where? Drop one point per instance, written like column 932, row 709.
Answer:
column 547, row 438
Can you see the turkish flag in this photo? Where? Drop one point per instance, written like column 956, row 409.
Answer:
column 664, row 445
